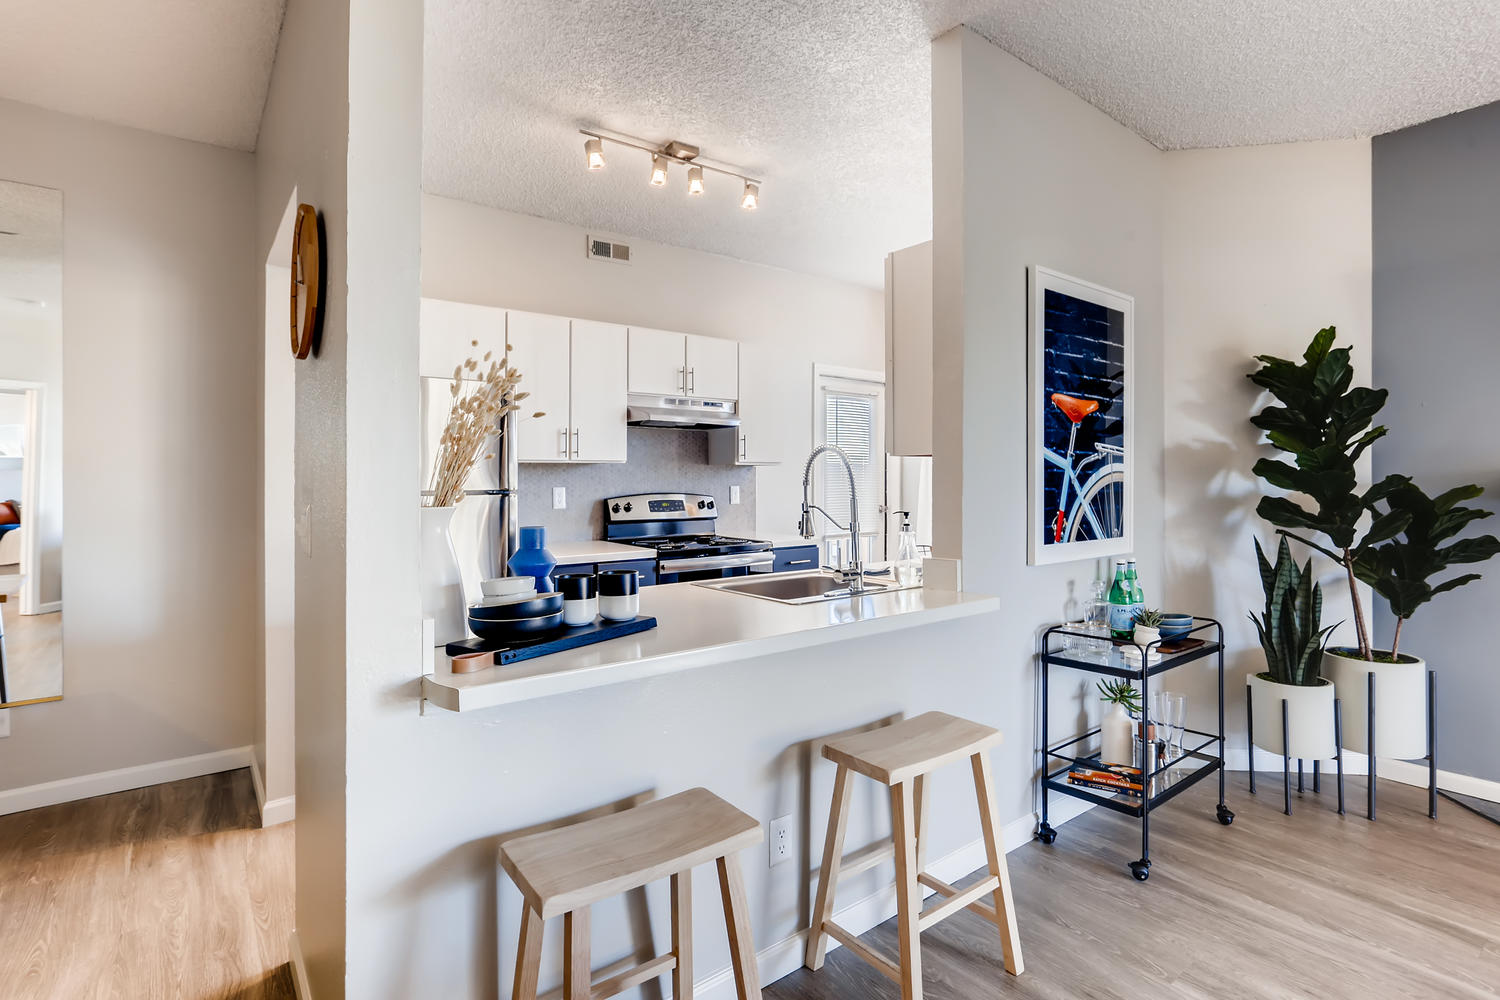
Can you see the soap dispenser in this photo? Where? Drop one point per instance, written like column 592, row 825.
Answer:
column 908, row 560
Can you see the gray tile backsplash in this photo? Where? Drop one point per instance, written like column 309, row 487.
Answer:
column 660, row 460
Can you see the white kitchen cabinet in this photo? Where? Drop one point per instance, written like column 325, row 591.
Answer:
column 598, row 391
column 448, row 330
column 762, row 438
column 540, row 351
column 658, row 361
column 713, row 368
column 908, row 354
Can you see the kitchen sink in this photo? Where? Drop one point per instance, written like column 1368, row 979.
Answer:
column 794, row 588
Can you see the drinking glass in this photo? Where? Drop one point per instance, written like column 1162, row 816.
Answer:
column 1161, row 704
column 1177, row 714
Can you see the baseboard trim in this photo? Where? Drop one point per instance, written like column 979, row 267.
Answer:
column 1404, row 771
column 299, row 968
column 86, row 786
column 785, row 956
column 272, row 811
column 49, row 607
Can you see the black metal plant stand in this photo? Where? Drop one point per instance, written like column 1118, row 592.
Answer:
column 1191, row 766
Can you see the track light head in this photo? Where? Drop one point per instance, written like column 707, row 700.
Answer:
column 695, row 180
column 594, row 150
column 752, row 196
column 658, row 170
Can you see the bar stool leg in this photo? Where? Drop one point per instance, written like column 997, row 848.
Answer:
column 682, row 935
column 908, row 893
column 737, row 920
column 833, row 854
column 919, row 794
column 528, row 955
column 1005, row 906
column 578, row 976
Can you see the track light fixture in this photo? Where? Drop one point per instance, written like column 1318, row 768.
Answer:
column 662, row 157
column 593, row 148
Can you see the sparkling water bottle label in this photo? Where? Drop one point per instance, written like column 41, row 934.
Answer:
column 1121, row 617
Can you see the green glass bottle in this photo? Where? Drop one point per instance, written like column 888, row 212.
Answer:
column 1121, row 610
column 1137, row 595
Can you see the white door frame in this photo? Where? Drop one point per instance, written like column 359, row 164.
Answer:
column 31, row 486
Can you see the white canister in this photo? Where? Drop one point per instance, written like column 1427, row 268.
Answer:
column 619, row 594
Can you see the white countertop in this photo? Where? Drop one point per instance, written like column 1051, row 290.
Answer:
column 698, row 627
column 596, row 552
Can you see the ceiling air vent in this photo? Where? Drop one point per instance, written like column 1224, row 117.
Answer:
column 605, row 250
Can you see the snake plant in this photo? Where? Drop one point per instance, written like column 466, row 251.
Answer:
column 1289, row 628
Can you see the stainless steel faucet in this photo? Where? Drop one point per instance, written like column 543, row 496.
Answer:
column 854, row 576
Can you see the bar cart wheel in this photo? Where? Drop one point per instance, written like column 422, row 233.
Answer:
column 1225, row 816
column 1046, row 834
column 1140, row 870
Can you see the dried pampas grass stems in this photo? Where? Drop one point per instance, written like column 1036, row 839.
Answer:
column 481, row 399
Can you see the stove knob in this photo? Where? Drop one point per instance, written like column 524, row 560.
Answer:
column 710, row 505
column 627, row 508
column 615, row 509
column 701, row 504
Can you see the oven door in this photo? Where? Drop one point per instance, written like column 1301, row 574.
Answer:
column 696, row 568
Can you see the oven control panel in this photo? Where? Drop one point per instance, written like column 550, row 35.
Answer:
column 659, row 507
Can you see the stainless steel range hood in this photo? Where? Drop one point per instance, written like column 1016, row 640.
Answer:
column 685, row 413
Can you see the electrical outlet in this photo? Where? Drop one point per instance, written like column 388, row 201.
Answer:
column 559, row 498
column 734, row 494
column 780, row 840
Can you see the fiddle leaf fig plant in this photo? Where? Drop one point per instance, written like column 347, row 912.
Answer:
column 1324, row 423
column 1401, row 569
column 1289, row 628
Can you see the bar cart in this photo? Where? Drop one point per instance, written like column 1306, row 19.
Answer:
column 1161, row 781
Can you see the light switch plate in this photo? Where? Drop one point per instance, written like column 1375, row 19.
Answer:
column 559, row 498
column 734, row 494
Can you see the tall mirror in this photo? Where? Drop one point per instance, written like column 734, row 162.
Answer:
column 31, row 516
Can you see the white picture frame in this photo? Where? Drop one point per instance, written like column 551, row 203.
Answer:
column 1084, row 507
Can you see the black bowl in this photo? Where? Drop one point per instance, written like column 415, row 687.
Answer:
column 515, row 628
column 541, row 604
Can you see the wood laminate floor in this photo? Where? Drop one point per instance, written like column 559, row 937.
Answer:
column 165, row 893
column 1311, row 905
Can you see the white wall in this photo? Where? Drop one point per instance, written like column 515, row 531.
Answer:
column 159, row 350
column 1025, row 173
column 482, row 255
column 1264, row 246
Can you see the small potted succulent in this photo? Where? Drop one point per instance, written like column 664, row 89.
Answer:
column 1292, row 636
column 1147, row 626
column 1117, row 728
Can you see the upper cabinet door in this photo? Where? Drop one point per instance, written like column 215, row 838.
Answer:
column 763, row 435
column 539, row 350
column 657, row 361
column 448, row 332
column 599, row 388
column 713, row 367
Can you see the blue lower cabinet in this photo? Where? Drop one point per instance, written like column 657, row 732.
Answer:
column 795, row 559
column 645, row 567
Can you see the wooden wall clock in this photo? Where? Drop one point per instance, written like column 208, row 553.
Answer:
column 307, row 281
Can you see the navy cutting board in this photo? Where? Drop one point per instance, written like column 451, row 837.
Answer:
column 555, row 641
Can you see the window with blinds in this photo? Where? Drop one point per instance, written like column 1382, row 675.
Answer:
column 849, row 416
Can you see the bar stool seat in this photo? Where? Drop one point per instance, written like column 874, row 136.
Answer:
column 562, row 872
column 901, row 756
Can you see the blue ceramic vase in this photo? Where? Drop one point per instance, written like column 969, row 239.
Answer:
column 532, row 558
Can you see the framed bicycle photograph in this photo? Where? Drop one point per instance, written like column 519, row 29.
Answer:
column 1080, row 419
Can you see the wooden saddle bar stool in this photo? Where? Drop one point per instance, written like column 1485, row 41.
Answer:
column 563, row 872
column 901, row 756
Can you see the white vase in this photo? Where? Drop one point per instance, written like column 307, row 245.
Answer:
column 1309, row 718
column 441, row 580
column 1117, row 737
column 1400, row 704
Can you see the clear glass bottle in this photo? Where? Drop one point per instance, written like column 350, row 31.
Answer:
column 908, row 557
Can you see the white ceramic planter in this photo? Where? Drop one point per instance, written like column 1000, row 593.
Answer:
column 1400, row 704
column 1309, row 718
column 1117, row 737
column 1145, row 635
column 441, row 579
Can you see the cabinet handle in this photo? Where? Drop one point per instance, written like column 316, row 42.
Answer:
column 563, row 450
column 799, row 562
column 575, row 442
column 682, row 380
column 692, row 381
column 742, row 447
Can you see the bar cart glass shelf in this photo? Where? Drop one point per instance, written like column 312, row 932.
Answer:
column 1202, row 753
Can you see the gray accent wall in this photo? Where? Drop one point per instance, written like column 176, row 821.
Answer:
column 661, row 460
column 1437, row 348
